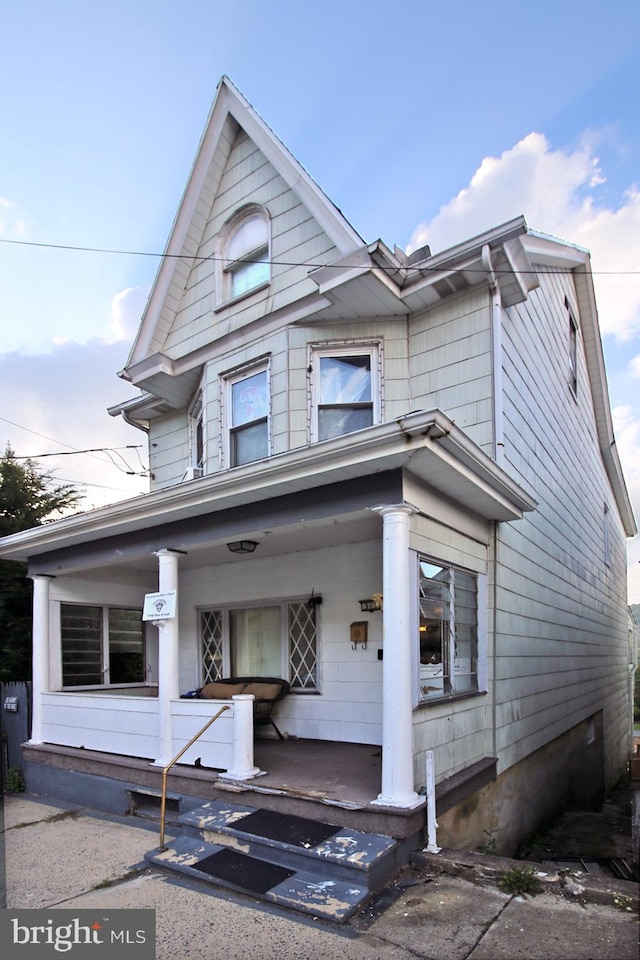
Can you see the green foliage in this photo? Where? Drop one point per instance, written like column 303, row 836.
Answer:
column 520, row 880
column 13, row 781
column 28, row 497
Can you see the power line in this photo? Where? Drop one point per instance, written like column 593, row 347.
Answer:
column 289, row 263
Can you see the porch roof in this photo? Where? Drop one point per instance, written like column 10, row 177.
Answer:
column 426, row 444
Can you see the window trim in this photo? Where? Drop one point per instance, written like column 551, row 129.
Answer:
column 284, row 604
column 344, row 348
column 105, row 652
column 227, row 381
column 226, row 267
column 196, row 421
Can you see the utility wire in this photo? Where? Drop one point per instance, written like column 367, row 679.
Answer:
column 292, row 263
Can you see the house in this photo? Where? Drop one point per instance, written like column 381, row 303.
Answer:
column 389, row 478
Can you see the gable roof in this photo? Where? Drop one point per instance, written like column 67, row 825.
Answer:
column 229, row 108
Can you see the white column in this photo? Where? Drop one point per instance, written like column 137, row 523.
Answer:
column 168, row 657
column 242, row 767
column 397, row 715
column 40, row 647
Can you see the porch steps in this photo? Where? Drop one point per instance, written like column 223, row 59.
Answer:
column 305, row 865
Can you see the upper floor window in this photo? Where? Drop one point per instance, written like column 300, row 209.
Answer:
column 246, row 253
column 448, row 626
column 345, row 390
column 196, row 438
column 248, row 405
column 573, row 350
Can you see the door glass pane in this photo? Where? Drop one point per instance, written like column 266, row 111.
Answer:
column 256, row 642
column 81, row 637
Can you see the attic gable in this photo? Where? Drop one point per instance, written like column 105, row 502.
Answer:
column 232, row 127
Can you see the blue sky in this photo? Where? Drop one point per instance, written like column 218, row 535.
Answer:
column 425, row 122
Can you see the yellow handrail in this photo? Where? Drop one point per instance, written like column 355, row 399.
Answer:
column 165, row 771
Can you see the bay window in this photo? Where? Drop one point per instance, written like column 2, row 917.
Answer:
column 448, row 630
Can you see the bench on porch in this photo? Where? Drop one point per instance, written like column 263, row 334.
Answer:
column 266, row 690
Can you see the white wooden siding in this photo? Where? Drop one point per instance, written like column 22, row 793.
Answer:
column 561, row 627
column 451, row 363
column 296, row 238
column 349, row 704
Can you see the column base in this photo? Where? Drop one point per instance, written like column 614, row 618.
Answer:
column 242, row 774
column 410, row 802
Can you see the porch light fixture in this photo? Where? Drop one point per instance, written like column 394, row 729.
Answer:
column 372, row 604
column 242, row 546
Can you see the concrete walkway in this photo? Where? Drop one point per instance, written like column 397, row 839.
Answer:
column 61, row 857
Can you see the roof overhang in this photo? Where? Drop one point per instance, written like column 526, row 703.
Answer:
column 427, row 445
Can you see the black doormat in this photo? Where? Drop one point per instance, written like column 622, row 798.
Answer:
column 297, row 831
column 243, row 871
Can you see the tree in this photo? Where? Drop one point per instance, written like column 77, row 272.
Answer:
column 28, row 497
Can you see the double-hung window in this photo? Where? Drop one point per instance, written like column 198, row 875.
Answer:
column 448, row 630
column 248, row 415
column 573, row 349
column 101, row 645
column 345, row 390
column 274, row 640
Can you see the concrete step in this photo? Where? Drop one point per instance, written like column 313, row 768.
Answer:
column 305, row 865
column 298, row 890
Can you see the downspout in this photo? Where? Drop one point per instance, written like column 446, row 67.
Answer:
column 498, row 456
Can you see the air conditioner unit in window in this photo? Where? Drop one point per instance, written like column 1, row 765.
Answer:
column 193, row 473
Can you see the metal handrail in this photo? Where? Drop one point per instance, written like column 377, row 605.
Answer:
column 165, row 771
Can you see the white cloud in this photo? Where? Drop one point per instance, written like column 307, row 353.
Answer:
column 57, row 401
column 634, row 366
column 12, row 224
column 126, row 310
column 556, row 190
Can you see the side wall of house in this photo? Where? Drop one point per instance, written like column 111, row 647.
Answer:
column 561, row 635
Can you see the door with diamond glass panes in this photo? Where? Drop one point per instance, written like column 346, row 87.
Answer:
column 267, row 640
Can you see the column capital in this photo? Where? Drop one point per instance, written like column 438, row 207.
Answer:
column 407, row 509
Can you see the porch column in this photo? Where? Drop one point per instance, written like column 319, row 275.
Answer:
column 41, row 653
column 168, row 657
column 397, row 715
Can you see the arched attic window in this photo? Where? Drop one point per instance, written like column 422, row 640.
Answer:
column 246, row 253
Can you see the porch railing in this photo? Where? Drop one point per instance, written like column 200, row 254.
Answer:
column 165, row 771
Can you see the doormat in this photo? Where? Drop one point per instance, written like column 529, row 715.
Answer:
column 297, row 831
column 243, row 871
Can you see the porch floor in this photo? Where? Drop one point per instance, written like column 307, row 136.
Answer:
column 336, row 773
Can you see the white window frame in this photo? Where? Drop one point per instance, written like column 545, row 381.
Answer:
column 226, row 403
column 197, row 437
column 481, row 634
column 223, row 611
column 105, row 609
column 228, row 267
column 573, row 349
column 351, row 348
